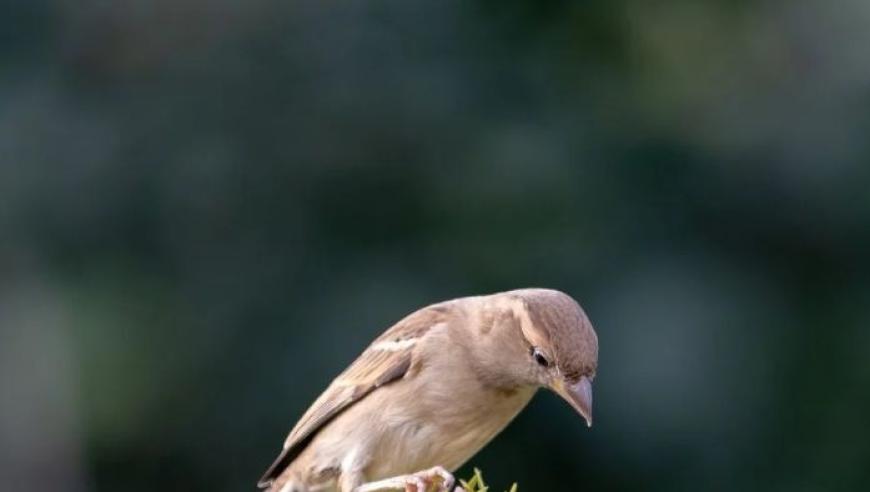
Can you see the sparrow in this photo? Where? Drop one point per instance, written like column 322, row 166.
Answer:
column 436, row 387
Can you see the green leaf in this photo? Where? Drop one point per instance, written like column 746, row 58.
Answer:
column 476, row 483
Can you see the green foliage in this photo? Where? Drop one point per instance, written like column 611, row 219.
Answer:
column 476, row 483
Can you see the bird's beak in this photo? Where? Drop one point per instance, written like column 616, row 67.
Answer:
column 578, row 395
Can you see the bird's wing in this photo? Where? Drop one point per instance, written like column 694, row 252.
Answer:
column 387, row 359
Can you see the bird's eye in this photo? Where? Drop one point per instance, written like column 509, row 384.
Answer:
column 540, row 358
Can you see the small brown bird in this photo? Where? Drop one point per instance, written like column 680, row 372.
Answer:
column 434, row 388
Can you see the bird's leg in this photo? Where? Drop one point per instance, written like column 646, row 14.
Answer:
column 403, row 482
column 415, row 482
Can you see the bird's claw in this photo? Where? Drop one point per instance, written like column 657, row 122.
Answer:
column 416, row 482
column 424, row 480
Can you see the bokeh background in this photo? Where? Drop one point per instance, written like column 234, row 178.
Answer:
column 209, row 207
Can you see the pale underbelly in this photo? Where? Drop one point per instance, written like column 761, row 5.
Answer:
column 418, row 445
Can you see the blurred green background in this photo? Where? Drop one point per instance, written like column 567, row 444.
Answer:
column 209, row 207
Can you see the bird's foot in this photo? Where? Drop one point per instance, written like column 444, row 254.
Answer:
column 436, row 478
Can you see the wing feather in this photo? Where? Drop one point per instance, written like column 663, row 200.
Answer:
column 387, row 359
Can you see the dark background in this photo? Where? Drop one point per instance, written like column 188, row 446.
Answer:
column 209, row 207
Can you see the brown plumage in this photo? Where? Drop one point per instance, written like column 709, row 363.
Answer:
column 436, row 387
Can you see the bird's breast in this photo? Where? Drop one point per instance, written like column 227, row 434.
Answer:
column 440, row 421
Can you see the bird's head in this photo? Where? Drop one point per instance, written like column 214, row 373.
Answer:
column 546, row 340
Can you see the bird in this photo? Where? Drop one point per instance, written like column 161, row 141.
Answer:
column 435, row 388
